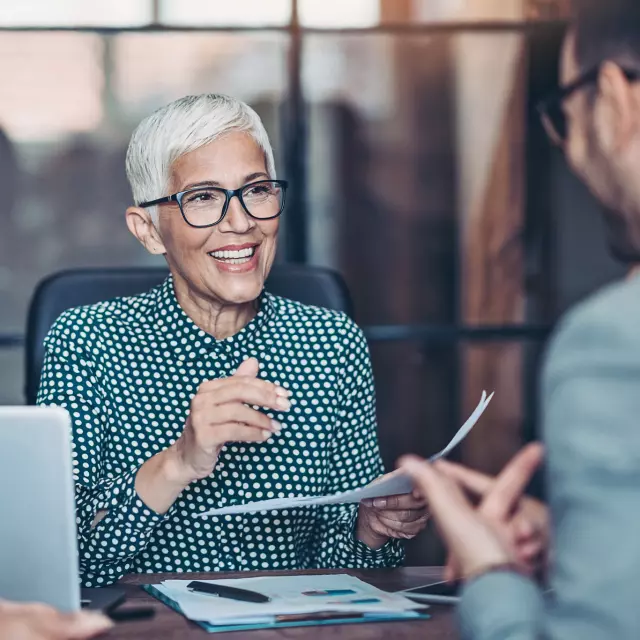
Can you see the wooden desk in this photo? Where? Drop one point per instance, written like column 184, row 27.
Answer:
column 168, row 625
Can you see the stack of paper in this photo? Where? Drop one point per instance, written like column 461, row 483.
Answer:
column 307, row 598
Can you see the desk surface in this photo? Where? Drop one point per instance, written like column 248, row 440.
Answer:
column 168, row 625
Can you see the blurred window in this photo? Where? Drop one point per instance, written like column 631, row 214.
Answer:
column 226, row 13
column 74, row 13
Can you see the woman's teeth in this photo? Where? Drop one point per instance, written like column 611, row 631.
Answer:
column 234, row 257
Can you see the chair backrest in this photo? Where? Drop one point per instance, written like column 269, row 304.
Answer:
column 68, row 289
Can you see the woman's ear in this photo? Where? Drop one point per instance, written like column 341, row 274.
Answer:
column 141, row 226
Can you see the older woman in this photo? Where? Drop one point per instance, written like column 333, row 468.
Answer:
column 208, row 391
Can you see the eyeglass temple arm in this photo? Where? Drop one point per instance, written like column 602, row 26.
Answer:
column 158, row 201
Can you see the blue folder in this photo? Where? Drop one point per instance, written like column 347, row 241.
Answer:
column 275, row 624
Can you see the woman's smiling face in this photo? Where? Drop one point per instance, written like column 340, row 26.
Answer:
column 227, row 263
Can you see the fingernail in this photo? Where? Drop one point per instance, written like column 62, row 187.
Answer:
column 276, row 426
column 282, row 392
column 379, row 503
column 266, row 435
column 283, row 403
column 368, row 502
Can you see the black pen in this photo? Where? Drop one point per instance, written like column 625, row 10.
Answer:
column 222, row 591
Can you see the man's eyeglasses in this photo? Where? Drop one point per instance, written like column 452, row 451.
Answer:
column 550, row 109
column 207, row 206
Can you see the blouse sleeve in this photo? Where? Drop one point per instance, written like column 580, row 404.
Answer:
column 356, row 461
column 107, row 549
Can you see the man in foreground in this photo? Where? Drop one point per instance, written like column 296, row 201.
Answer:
column 591, row 390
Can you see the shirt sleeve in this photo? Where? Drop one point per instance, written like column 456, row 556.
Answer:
column 591, row 408
column 108, row 549
column 355, row 461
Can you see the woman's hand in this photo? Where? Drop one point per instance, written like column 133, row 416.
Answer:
column 477, row 539
column 379, row 519
column 219, row 414
column 40, row 622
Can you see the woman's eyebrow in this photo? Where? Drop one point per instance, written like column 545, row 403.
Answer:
column 214, row 183
column 255, row 176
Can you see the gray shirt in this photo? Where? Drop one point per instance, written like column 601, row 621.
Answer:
column 591, row 423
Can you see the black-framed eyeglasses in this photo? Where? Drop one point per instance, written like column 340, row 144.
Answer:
column 207, row 206
column 550, row 109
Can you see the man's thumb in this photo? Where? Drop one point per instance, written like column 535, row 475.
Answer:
column 249, row 368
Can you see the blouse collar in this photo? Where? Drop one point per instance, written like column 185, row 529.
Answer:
column 182, row 334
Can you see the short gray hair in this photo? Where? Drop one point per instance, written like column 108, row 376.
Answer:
column 183, row 126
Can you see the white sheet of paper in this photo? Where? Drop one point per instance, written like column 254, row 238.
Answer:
column 395, row 485
column 287, row 595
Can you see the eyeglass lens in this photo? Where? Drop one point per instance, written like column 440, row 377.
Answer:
column 204, row 207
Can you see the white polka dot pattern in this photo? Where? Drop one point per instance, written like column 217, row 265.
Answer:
column 126, row 370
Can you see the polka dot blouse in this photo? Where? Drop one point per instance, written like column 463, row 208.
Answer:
column 126, row 370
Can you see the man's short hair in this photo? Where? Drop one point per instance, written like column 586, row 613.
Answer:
column 607, row 30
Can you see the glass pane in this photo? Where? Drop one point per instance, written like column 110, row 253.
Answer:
column 62, row 164
column 329, row 14
column 548, row 9
column 416, row 196
column 32, row 65
column 467, row 10
column 382, row 177
column 416, row 172
column 335, row 14
column 71, row 13
column 239, row 13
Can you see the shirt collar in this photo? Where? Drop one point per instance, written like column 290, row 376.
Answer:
column 179, row 333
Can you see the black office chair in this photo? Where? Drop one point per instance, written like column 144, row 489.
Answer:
column 67, row 289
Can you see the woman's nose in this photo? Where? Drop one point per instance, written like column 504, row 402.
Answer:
column 236, row 219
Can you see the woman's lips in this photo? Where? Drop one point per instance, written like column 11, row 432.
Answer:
column 234, row 263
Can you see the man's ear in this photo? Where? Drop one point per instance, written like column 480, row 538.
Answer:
column 615, row 110
column 141, row 226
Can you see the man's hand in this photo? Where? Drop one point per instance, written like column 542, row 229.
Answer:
column 478, row 540
column 525, row 522
column 41, row 622
column 391, row 517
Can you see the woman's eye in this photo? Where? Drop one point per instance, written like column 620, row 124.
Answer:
column 202, row 196
column 259, row 190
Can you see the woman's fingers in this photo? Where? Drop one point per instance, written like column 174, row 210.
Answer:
column 236, row 432
column 409, row 527
column 248, row 368
column 249, row 391
column 396, row 503
column 401, row 517
column 228, row 413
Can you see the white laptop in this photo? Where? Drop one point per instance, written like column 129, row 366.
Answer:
column 38, row 547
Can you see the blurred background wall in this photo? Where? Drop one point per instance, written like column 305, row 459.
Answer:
column 419, row 171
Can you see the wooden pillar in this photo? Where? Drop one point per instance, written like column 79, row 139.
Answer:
column 491, row 128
